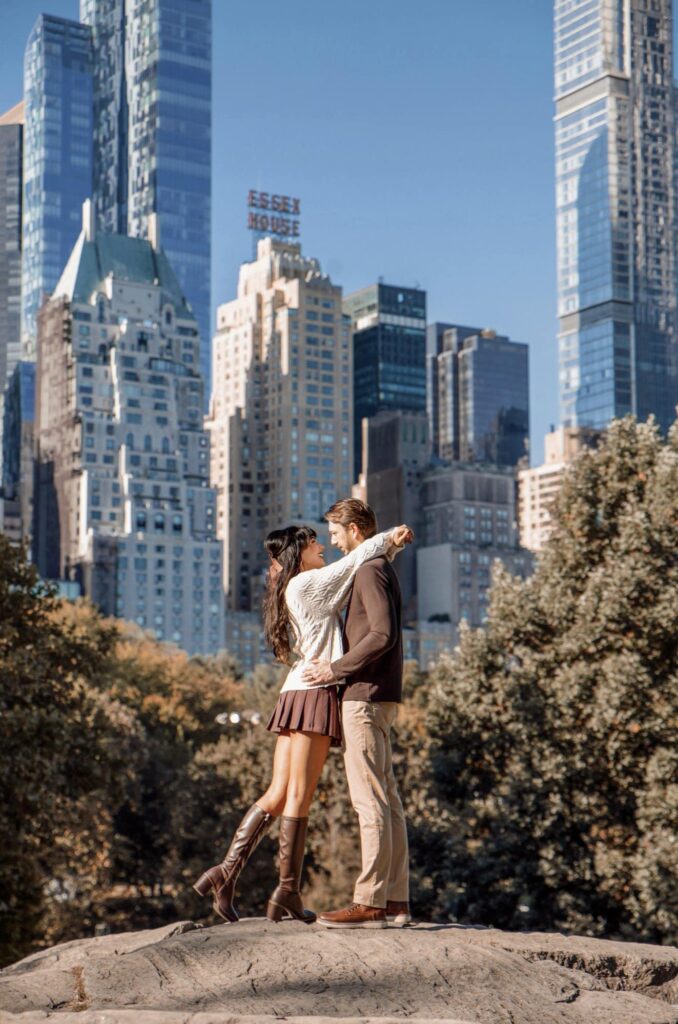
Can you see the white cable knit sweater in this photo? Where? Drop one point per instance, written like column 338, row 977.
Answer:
column 314, row 600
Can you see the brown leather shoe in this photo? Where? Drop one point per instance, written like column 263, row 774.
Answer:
column 398, row 913
column 355, row 915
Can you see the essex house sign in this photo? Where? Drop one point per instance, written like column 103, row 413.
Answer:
column 273, row 214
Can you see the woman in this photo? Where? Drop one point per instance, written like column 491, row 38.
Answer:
column 303, row 597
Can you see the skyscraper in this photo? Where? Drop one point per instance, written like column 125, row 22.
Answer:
column 18, row 437
column 396, row 452
column 11, row 143
column 615, row 202
column 467, row 521
column 280, row 413
column 152, row 143
column 478, row 395
column 57, row 157
column 122, row 500
column 435, row 343
column 389, row 353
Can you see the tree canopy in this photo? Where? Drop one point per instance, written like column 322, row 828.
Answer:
column 554, row 727
column 538, row 762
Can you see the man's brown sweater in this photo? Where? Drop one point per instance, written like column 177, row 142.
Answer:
column 372, row 665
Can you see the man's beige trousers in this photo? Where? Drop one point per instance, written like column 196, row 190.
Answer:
column 375, row 799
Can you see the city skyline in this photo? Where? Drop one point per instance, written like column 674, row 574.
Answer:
column 479, row 235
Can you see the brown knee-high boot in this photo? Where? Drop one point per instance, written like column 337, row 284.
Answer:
column 221, row 879
column 286, row 900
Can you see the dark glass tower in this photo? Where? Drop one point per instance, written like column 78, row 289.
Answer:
column 152, row 104
column 11, row 141
column 479, row 395
column 389, row 353
column 17, row 439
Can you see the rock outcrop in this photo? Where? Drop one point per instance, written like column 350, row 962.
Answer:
column 257, row 973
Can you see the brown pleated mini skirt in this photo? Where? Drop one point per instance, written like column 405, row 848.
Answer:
column 312, row 710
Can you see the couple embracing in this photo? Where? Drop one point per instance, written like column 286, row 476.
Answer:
column 343, row 689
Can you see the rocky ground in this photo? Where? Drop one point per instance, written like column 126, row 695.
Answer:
column 259, row 973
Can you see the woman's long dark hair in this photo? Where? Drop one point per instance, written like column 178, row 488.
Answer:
column 286, row 547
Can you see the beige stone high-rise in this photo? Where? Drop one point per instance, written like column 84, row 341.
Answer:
column 122, row 502
column 538, row 487
column 280, row 413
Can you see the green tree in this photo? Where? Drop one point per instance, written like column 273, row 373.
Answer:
column 554, row 727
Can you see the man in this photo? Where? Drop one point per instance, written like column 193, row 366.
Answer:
column 371, row 668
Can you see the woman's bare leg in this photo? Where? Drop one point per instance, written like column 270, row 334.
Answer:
column 273, row 800
column 308, row 752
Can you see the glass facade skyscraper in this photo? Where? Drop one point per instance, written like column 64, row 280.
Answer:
column 18, row 451
column 152, row 107
column 479, row 402
column 11, row 143
column 57, row 157
column 389, row 353
column 615, row 202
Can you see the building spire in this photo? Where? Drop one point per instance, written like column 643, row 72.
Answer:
column 88, row 220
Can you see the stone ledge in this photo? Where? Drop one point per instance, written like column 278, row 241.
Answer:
column 256, row 972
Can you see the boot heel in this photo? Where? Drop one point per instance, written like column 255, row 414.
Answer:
column 293, row 910
column 274, row 912
column 204, row 885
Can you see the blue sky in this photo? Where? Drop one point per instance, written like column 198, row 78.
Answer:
column 418, row 136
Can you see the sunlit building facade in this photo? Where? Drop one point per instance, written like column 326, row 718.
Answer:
column 539, row 486
column 123, row 503
column 615, row 203
column 152, row 142
column 280, row 415
column 467, row 522
column 57, row 157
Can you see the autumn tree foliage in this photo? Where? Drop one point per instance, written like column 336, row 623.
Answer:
column 101, row 730
column 52, row 734
column 538, row 763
